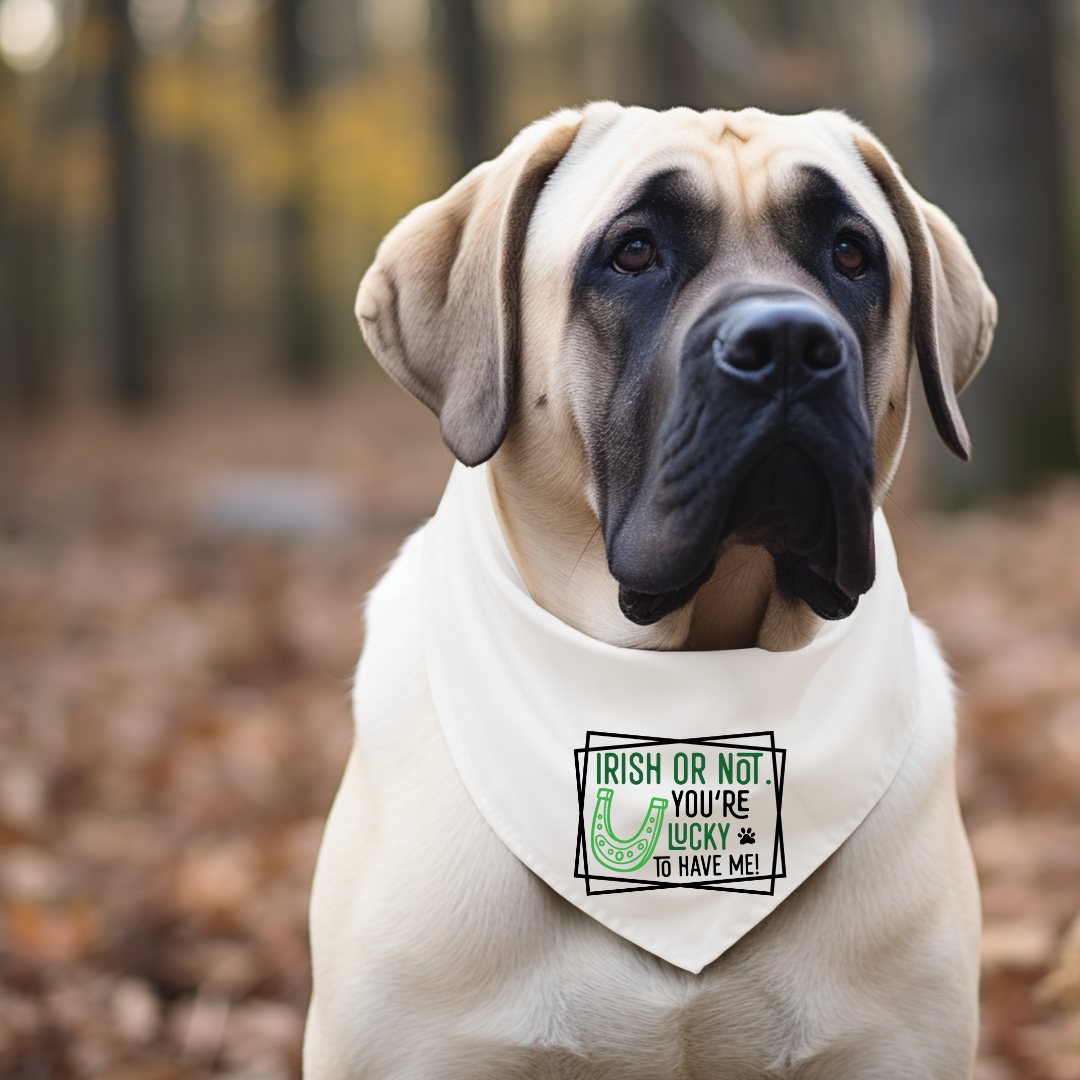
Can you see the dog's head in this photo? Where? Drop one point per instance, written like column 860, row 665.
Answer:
column 699, row 325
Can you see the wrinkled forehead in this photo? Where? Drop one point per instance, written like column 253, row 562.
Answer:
column 742, row 166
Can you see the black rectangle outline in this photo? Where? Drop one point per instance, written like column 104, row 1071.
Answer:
column 731, row 741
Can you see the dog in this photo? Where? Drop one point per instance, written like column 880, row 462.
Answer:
column 683, row 343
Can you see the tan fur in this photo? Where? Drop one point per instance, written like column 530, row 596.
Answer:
column 870, row 969
column 953, row 312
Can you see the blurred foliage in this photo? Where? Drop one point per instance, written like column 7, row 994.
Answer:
column 218, row 155
column 276, row 141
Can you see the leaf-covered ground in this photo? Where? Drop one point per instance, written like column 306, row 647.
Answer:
column 176, row 639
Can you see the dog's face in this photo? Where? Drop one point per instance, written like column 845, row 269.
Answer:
column 699, row 324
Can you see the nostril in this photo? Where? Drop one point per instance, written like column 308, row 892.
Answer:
column 821, row 349
column 750, row 351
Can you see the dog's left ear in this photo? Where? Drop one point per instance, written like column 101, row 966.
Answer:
column 440, row 306
column 953, row 313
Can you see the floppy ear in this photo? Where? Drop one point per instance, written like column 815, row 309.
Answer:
column 952, row 311
column 440, row 306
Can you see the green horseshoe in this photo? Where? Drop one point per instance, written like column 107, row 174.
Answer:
column 625, row 855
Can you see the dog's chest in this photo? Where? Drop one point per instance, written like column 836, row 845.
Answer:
column 496, row 969
column 505, row 978
column 422, row 917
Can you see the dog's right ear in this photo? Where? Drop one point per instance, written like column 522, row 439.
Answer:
column 440, row 306
column 953, row 313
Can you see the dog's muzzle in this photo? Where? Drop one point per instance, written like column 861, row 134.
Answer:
column 766, row 441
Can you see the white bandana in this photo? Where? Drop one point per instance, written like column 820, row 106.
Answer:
column 676, row 797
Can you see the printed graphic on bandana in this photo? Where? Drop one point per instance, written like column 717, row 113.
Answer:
column 680, row 814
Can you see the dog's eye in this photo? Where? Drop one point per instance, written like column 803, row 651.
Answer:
column 848, row 258
column 636, row 254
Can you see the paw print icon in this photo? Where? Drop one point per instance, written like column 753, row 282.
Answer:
column 746, row 836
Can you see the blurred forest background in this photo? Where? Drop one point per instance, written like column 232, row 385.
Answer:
column 202, row 472
column 177, row 172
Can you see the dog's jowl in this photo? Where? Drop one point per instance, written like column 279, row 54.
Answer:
column 653, row 773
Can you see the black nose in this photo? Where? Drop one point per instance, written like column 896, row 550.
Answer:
column 777, row 337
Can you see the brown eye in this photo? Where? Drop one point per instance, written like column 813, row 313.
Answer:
column 849, row 259
column 636, row 254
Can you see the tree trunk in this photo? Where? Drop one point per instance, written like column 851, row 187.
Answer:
column 131, row 375
column 676, row 64
column 467, row 74
column 302, row 347
column 32, row 293
column 993, row 165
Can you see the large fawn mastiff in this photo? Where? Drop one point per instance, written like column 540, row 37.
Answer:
column 682, row 344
